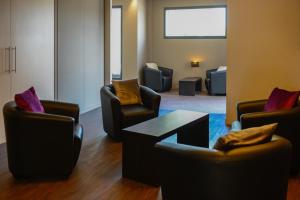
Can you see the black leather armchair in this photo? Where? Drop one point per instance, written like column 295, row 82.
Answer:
column 215, row 82
column 257, row 172
column 158, row 80
column 251, row 114
column 43, row 145
column 116, row 117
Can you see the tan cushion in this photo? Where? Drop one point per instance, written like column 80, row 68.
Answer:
column 222, row 68
column 152, row 65
column 246, row 137
column 128, row 91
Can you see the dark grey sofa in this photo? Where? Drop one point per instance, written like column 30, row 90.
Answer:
column 215, row 82
column 158, row 80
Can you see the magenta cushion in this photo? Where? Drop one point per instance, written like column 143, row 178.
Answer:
column 29, row 101
column 281, row 99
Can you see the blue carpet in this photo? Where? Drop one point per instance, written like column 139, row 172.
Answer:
column 217, row 126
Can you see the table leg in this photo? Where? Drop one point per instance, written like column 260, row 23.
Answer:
column 187, row 88
column 196, row 134
column 139, row 159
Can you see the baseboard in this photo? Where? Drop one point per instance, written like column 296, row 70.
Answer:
column 90, row 109
column 2, row 141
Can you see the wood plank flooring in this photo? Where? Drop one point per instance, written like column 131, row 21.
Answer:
column 96, row 176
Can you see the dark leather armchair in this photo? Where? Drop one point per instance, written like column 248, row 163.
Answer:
column 251, row 114
column 257, row 172
column 158, row 80
column 215, row 82
column 116, row 117
column 43, row 145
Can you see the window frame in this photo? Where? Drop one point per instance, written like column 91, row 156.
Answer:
column 195, row 37
column 121, row 73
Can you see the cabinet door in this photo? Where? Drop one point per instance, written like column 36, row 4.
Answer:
column 93, row 52
column 70, row 52
column 80, row 52
column 33, row 39
column 5, row 84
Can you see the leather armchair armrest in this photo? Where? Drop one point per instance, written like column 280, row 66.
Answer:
column 262, row 118
column 250, row 107
column 150, row 99
column 111, row 98
column 111, row 110
column 45, row 122
column 218, row 82
column 166, row 71
column 153, row 78
column 61, row 108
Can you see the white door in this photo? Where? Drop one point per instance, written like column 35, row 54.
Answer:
column 70, row 52
column 33, row 46
column 80, row 73
column 94, row 53
column 5, row 84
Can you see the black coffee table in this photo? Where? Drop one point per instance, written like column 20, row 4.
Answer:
column 139, row 155
column 189, row 85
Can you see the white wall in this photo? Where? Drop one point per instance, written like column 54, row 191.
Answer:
column 263, row 49
column 178, row 53
column 142, row 37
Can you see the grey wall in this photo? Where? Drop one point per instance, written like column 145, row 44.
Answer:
column 259, row 61
column 178, row 53
column 80, row 52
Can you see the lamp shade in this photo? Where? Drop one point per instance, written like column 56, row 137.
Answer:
column 195, row 63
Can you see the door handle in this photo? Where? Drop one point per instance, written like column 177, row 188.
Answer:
column 5, row 68
column 14, row 67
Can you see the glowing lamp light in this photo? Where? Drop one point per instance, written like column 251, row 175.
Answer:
column 195, row 63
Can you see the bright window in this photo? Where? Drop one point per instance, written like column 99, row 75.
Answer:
column 116, row 43
column 195, row 22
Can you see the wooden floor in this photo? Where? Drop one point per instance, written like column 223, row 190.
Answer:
column 96, row 176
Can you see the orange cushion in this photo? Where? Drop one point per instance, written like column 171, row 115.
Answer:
column 128, row 92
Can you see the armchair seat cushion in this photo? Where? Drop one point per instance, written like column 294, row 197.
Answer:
column 133, row 114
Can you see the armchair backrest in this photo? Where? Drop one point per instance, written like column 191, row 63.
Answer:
column 258, row 172
column 208, row 72
column 153, row 78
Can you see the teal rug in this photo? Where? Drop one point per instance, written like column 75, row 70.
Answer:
column 217, row 126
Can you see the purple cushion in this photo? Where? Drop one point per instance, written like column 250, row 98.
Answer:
column 29, row 101
column 281, row 99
